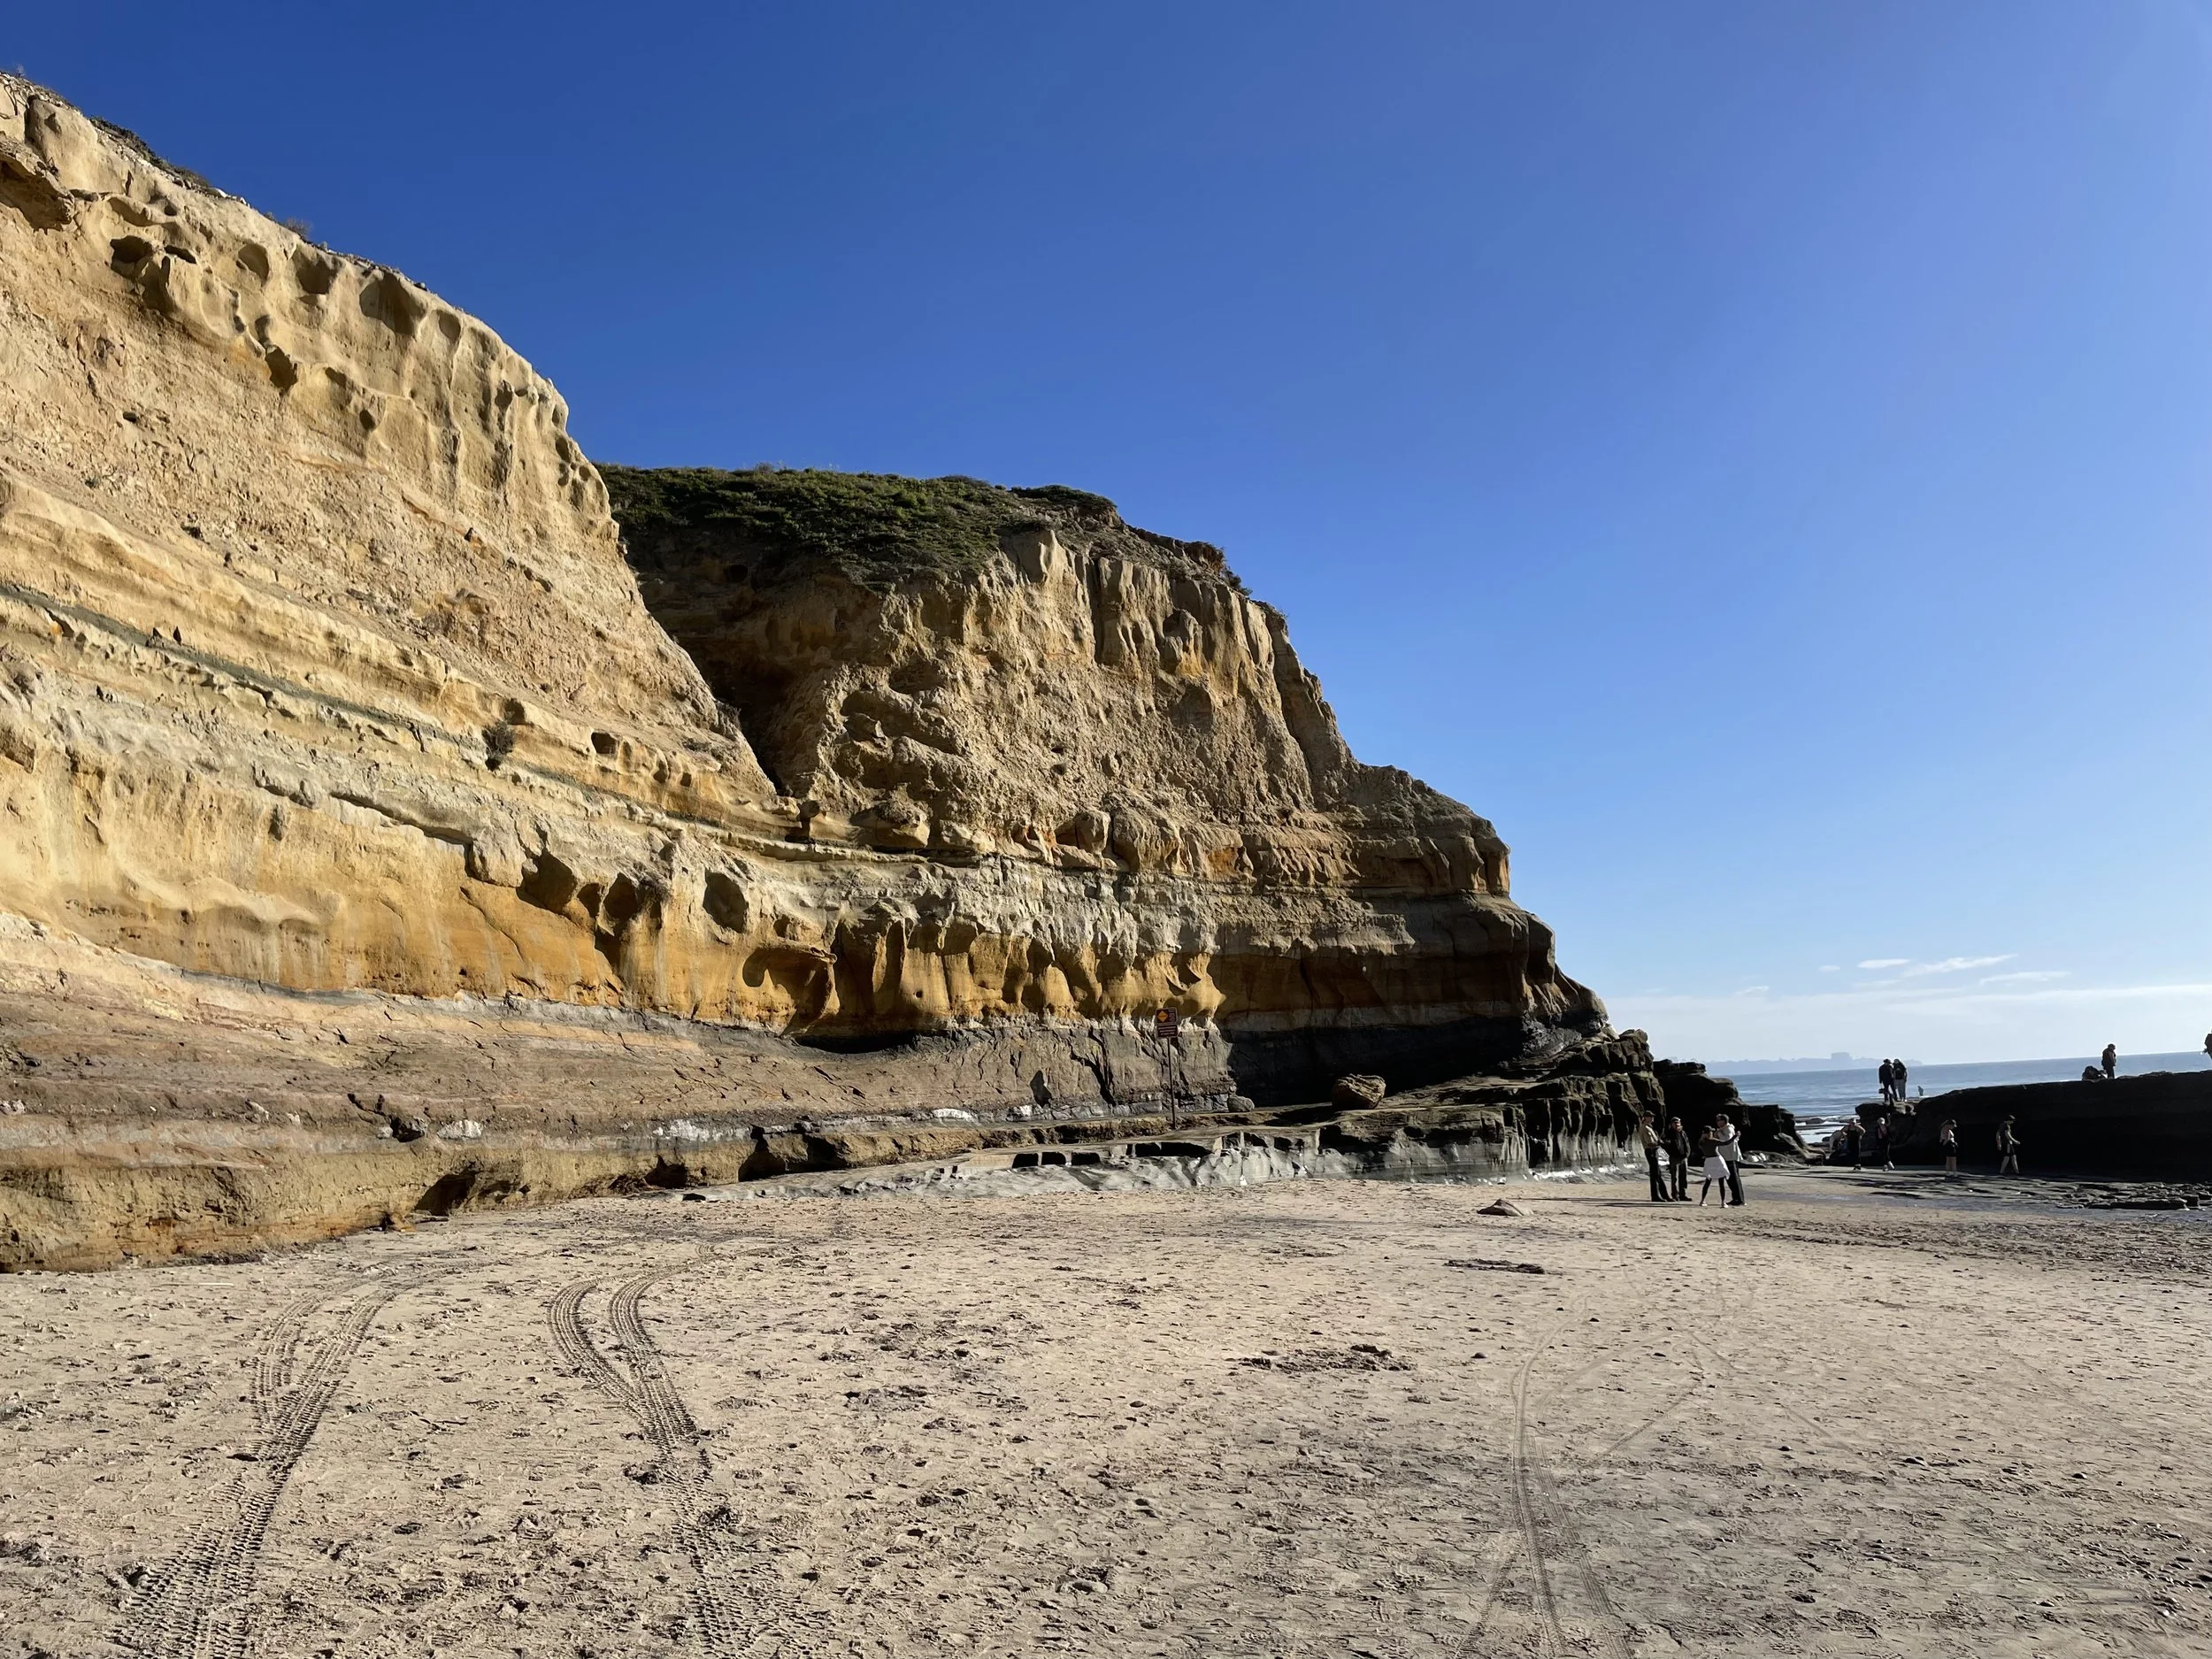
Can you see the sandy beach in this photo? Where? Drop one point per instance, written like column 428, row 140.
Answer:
column 1303, row 1418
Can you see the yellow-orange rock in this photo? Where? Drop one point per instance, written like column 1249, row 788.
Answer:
column 323, row 676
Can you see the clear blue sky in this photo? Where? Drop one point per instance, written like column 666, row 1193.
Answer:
column 1759, row 455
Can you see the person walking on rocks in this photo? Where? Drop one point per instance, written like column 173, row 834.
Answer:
column 1678, row 1157
column 1647, row 1136
column 1947, row 1137
column 1729, row 1144
column 2111, row 1060
column 2007, row 1148
column 1887, row 1074
column 1715, row 1167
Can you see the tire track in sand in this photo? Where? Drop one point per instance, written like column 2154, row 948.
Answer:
column 1546, row 1537
column 198, row 1604
column 743, row 1610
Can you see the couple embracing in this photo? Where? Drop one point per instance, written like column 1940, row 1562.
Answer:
column 1719, row 1150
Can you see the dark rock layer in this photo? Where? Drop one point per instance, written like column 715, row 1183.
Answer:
column 1698, row 1098
column 2157, row 1126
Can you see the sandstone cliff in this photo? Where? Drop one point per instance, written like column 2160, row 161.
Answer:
column 365, row 827
column 1099, row 728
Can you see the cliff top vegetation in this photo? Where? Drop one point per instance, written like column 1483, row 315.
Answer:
column 876, row 529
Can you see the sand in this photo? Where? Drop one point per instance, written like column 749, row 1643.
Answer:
column 1849, row 1419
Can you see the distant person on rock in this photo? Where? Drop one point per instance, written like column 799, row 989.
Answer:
column 1897, row 1075
column 2111, row 1060
column 1729, row 1143
column 1677, row 1141
column 2007, row 1148
column 2207, row 1044
column 1647, row 1136
column 1715, row 1167
column 1947, row 1137
column 1887, row 1075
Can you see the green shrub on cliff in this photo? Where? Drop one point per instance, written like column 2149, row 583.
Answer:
column 875, row 529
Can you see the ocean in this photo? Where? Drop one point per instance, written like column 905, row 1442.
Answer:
column 1822, row 1100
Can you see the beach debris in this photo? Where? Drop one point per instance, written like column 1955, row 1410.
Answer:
column 1359, row 1357
column 1485, row 1264
column 1503, row 1207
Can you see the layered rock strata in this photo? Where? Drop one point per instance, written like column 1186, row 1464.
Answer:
column 1099, row 726
column 364, row 824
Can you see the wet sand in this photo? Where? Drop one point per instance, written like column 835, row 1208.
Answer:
column 1293, row 1419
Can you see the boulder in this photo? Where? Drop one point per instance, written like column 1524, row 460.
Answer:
column 1357, row 1091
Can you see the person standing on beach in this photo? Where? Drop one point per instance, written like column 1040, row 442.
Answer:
column 1881, row 1140
column 2109, row 1060
column 1716, row 1167
column 1729, row 1144
column 1947, row 1137
column 1647, row 1136
column 1887, row 1076
column 1854, row 1138
column 1678, row 1156
column 2007, row 1148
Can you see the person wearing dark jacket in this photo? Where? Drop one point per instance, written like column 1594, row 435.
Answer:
column 1678, row 1145
column 1647, row 1138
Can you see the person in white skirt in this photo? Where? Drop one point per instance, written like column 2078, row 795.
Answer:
column 1715, row 1167
column 1728, row 1141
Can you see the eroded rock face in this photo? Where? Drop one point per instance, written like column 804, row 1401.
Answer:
column 322, row 674
column 1105, row 718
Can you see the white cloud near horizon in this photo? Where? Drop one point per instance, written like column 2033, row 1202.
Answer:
column 1955, row 964
column 1885, row 962
column 2026, row 1016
